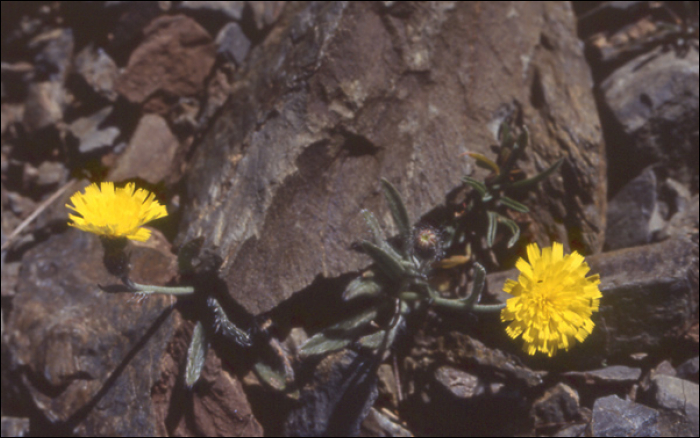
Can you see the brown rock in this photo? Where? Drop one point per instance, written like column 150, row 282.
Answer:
column 44, row 105
column 150, row 153
column 219, row 407
column 340, row 95
column 88, row 358
column 174, row 58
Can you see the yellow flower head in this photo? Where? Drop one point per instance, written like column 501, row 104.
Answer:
column 552, row 300
column 111, row 212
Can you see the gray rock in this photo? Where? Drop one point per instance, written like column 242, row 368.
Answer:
column 653, row 101
column 150, row 153
column 558, row 405
column 613, row 416
column 91, row 132
column 44, row 105
column 630, row 213
column 689, row 369
column 460, row 383
column 232, row 43
column 232, row 10
column 98, row 71
column 379, row 424
column 615, row 374
column 50, row 174
column 54, row 53
column 679, row 397
column 265, row 13
column 338, row 397
column 329, row 105
column 12, row 426
column 87, row 358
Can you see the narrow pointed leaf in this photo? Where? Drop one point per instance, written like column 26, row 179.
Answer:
column 374, row 227
column 492, row 227
column 398, row 209
column 360, row 320
column 275, row 379
column 382, row 339
column 378, row 237
column 479, row 187
column 388, row 263
column 514, row 229
column 450, row 262
column 196, row 355
column 360, row 287
column 477, row 285
column 226, row 327
column 537, row 178
column 513, row 204
column 338, row 335
column 320, row 344
column 484, row 162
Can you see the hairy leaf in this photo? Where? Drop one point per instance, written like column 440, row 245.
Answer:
column 196, row 355
column 320, row 344
column 479, row 187
column 361, row 286
column 477, row 285
column 389, row 264
column 492, row 227
column 537, row 178
column 514, row 229
column 513, row 204
column 398, row 210
column 226, row 327
column 485, row 162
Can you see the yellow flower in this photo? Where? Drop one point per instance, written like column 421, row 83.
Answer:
column 111, row 212
column 552, row 300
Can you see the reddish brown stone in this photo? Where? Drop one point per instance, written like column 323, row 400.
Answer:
column 174, row 58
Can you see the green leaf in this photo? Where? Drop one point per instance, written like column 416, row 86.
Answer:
column 226, row 327
column 514, row 229
column 321, row 344
column 485, row 162
column 339, row 335
column 479, row 187
column 196, row 355
column 343, row 327
column 382, row 339
column 398, row 210
column 537, row 178
column 479, row 278
column 275, row 379
column 389, row 264
column 513, row 204
column 361, row 286
column 378, row 237
column 493, row 225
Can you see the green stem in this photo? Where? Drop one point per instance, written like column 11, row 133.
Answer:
column 465, row 305
column 168, row 290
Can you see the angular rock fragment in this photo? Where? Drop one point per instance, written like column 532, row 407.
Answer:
column 175, row 57
column 613, row 416
column 150, row 153
column 87, row 358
